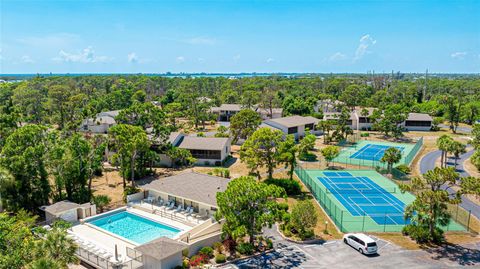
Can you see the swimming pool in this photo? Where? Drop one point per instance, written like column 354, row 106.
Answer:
column 133, row 227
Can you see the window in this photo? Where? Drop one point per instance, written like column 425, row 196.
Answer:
column 364, row 120
column 371, row 244
column 206, row 154
column 414, row 123
column 309, row 127
column 292, row 130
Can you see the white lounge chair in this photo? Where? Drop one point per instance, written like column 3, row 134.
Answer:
column 172, row 204
column 179, row 208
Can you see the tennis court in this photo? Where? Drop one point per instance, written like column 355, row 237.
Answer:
column 363, row 197
column 369, row 153
column 360, row 200
column 373, row 152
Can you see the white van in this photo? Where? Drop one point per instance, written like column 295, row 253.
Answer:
column 361, row 242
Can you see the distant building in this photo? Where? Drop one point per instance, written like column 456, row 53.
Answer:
column 68, row 211
column 207, row 150
column 328, row 106
column 101, row 123
column 418, row 122
column 226, row 111
column 296, row 125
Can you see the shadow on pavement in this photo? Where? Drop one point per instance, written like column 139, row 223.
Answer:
column 456, row 253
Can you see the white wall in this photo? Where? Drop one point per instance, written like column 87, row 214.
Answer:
column 150, row 262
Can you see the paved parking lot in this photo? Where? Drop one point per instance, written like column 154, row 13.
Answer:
column 335, row 254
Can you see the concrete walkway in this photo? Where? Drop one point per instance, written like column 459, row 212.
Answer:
column 428, row 163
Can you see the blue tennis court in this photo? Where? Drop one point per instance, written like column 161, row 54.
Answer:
column 361, row 196
column 372, row 152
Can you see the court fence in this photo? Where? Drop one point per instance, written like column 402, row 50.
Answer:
column 364, row 159
column 346, row 222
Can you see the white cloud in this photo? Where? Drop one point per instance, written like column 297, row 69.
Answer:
column 459, row 55
column 236, row 58
column 87, row 55
column 270, row 60
column 338, row 56
column 51, row 40
column 27, row 59
column 132, row 57
column 180, row 59
column 366, row 42
column 201, row 40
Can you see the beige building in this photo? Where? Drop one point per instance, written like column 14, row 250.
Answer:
column 189, row 189
column 68, row 211
column 296, row 125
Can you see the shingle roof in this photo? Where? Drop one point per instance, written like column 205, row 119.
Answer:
column 227, row 107
column 204, row 143
column 173, row 137
column 293, row 121
column 60, row 207
column 161, row 248
column 193, row 186
column 419, row 117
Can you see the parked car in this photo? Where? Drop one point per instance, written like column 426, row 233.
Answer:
column 361, row 242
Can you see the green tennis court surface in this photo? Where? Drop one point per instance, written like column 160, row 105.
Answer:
column 369, row 153
column 360, row 200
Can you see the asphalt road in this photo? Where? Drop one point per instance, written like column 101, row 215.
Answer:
column 428, row 163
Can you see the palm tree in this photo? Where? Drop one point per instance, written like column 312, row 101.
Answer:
column 457, row 148
column 44, row 263
column 391, row 156
column 443, row 143
column 58, row 247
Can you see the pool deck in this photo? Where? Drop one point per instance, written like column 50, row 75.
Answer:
column 107, row 241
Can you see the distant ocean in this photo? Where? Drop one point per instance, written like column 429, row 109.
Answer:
column 183, row 75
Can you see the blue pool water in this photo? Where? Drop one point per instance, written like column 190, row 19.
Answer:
column 133, row 227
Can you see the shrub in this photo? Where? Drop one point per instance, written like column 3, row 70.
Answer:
column 303, row 217
column 364, row 135
column 101, row 201
column 185, row 252
column 218, row 246
column 269, row 243
column 207, row 251
column 245, row 248
column 307, row 234
column 129, row 190
column 220, row 258
column 291, row 187
column 421, row 234
column 197, row 260
column 403, row 168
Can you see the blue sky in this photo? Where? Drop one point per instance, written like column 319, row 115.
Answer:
column 239, row 36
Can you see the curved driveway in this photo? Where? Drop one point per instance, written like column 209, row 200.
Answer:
column 428, row 163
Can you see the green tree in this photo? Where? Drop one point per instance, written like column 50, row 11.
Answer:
column 389, row 122
column 129, row 143
column 470, row 185
column 303, row 216
column 101, row 201
column 145, row 115
column 476, row 136
column 391, row 156
column 222, row 131
column 249, row 99
column 429, row 209
column 330, row 153
column 229, row 96
column 173, row 111
column 326, row 126
column 288, row 154
column 457, row 148
column 24, row 156
column 243, row 124
column 443, row 144
column 180, row 156
column 262, row 149
column 307, row 144
column 58, row 247
column 454, row 106
column 247, row 206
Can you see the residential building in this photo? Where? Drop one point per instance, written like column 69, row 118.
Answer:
column 418, row 122
column 327, row 106
column 226, row 111
column 189, row 189
column 296, row 125
column 101, row 123
column 207, row 150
